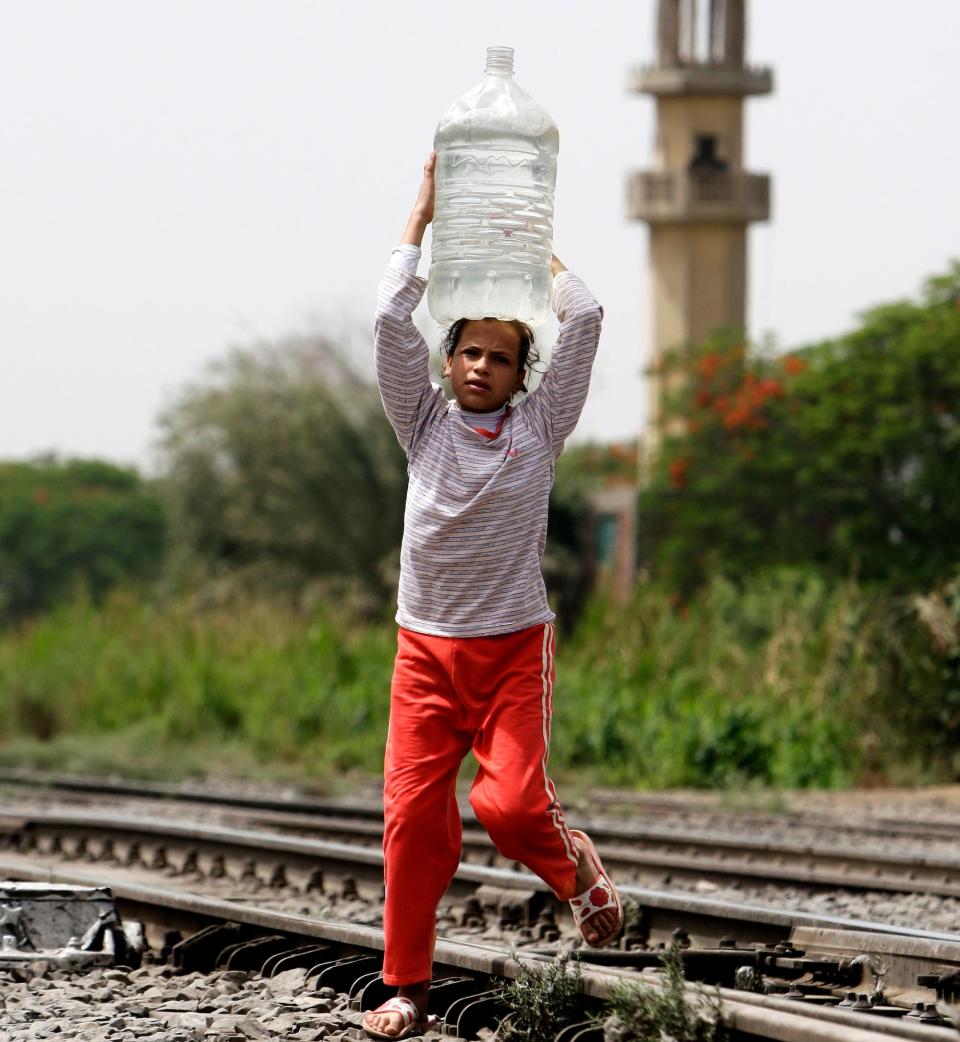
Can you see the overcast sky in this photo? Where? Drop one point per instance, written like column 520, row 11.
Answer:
column 180, row 175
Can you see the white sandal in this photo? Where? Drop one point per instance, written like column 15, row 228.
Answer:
column 600, row 896
column 407, row 1009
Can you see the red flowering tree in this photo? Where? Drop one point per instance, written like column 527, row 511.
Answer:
column 844, row 453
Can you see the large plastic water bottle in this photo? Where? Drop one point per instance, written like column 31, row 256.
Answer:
column 493, row 220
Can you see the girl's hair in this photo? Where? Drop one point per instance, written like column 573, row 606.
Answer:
column 528, row 358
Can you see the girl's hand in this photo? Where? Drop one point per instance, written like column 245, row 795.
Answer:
column 424, row 204
column 422, row 213
column 556, row 266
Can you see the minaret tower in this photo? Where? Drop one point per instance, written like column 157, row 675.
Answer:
column 697, row 199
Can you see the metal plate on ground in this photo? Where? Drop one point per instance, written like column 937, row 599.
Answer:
column 69, row 927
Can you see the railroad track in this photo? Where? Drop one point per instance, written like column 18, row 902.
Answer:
column 243, row 864
column 812, row 959
column 276, row 861
column 865, row 822
column 202, row 933
column 635, row 853
column 703, row 815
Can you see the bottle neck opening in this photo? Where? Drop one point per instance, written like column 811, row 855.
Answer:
column 499, row 61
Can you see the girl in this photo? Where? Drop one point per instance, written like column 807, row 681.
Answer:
column 475, row 659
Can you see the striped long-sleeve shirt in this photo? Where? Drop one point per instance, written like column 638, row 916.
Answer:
column 475, row 523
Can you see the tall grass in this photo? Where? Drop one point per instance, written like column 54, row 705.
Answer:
column 167, row 681
column 767, row 683
column 785, row 680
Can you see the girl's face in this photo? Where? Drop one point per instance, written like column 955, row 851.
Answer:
column 485, row 369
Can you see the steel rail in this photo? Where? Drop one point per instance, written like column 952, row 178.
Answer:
column 868, row 822
column 293, row 801
column 633, row 853
column 296, row 803
column 751, row 1016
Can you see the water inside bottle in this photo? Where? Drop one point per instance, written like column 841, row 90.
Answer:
column 493, row 225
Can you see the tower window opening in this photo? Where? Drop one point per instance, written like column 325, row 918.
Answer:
column 705, row 159
column 709, row 182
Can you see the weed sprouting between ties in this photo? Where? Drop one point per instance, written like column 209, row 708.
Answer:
column 541, row 1000
column 644, row 1013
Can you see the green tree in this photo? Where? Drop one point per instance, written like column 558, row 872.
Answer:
column 73, row 525
column 844, row 454
column 283, row 474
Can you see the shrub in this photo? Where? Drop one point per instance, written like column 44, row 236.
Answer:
column 74, row 526
column 542, row 999
column 842, row 455
column 646, row 1014
column 284, row 477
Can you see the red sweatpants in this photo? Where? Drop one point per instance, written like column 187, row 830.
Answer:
column 449, row 695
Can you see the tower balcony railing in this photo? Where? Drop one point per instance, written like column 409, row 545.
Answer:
column 701, row 77
column 682, row 196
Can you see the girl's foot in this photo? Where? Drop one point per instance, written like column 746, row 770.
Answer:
column 606, row 922
column 395, row 1024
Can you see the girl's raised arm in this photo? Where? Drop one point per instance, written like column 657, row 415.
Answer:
column 401, row 354
column 422, row 213
column 559, row 399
